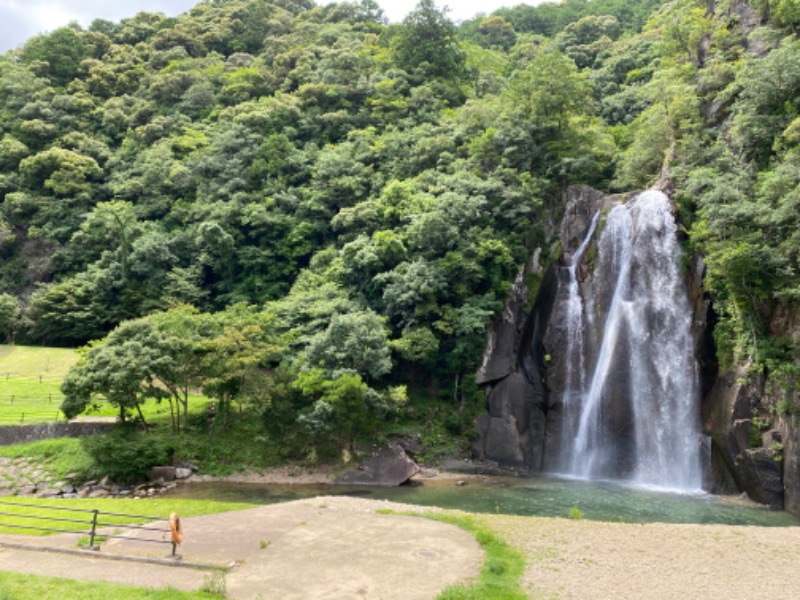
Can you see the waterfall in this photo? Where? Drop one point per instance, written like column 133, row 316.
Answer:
column 630, row 399
column 575, row 371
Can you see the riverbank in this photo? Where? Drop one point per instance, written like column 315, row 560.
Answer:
column 320, row 475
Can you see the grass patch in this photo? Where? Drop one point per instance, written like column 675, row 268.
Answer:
column 242, row 447
column 575, row 513
column 30, row 383
column 153, row 410
column 59, row 457
column 502, row 568
column 33, row 361
column 30, row 387
column 17, row 586
column 159, row 507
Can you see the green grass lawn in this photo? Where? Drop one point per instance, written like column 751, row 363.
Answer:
column 37, row 511
column 18, row 586
column 30, row 380
column 30, row 387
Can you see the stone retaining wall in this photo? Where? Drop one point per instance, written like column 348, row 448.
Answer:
column 47, row 431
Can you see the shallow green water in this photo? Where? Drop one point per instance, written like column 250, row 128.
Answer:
column 547, row 497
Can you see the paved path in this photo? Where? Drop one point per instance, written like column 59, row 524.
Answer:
column 332, row 547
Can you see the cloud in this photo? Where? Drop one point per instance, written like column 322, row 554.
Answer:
column 20, row 20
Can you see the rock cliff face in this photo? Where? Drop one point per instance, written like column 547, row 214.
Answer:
column 753, row 424
column 521, row 420
column 751, row 445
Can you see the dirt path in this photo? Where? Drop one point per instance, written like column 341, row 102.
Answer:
column 329, row 547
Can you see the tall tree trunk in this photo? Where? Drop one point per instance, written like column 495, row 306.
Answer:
column 185, row 401
column 141, row 416
column 172, row 416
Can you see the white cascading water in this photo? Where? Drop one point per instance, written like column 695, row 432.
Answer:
column 575, row 372
column 647, row 323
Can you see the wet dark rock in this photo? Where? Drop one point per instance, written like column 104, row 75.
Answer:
column 161, row 473
column 503, row 442
column 500, row 357
column 761, row 476
column 411, row 444
column 790, row 434
column 388, row 467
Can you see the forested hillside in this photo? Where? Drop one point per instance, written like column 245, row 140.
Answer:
column 304, row 203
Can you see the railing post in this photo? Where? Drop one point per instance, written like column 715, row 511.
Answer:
column 94, row 529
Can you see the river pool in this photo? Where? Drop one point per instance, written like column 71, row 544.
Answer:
column 540, row 496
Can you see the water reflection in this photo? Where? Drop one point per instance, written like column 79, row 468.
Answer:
column 543, row 496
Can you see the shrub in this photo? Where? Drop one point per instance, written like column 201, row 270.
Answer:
column 125, row 456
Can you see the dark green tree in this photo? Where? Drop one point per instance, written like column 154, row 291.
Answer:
column 428, row 41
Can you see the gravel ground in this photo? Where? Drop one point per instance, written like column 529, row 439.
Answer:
column 585, row 559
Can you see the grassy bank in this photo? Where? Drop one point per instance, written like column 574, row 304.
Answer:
column 502, row 568
column 18, row 586
column 26, row 516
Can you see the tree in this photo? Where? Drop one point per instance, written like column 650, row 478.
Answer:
column 183, row 335
column 428, row 40
column 58, row 54
column 121, row 369
column 9, row 313
column 339, row 406
column 76, row 310
column 551, row 89
column 343, row 406
column 63, row 172
column 496, row 31
column 110, row 226
column 234, row 356
column 352, row 343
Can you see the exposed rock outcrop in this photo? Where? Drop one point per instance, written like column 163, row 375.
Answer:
column 389, row 467
column 519, row 423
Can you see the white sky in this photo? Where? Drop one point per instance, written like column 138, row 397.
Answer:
column 22, row 19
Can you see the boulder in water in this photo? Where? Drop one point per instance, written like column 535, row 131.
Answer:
column 390, row 467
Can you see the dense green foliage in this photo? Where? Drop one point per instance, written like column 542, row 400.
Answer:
column 298, row 207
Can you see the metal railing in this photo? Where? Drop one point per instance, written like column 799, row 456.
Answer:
column 92, row 523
